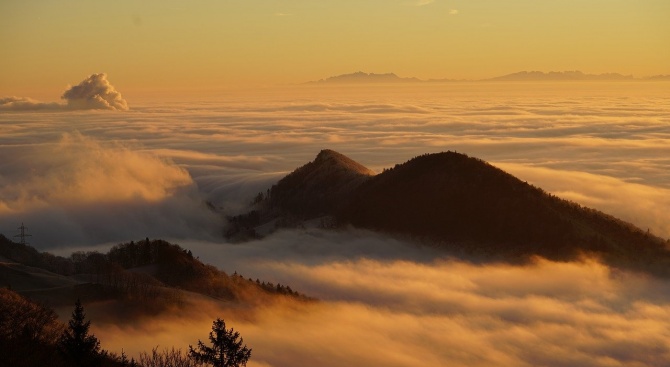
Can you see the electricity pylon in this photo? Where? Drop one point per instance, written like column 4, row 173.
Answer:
column 22, row 235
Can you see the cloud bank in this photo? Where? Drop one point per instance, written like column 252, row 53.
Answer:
column 237, row 146
column 644, row 205
column 384, row 301
column 26, row 104
column 78, row 189
column 78, row 170
column 384, row 311
column 93, row 93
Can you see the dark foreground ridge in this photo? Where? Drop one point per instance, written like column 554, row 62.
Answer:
column 132, row 281
column 463, row 205
column 147, row 276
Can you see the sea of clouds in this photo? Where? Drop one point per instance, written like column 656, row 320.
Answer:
column 603, row 145
column 388, row 303
column 88, row 178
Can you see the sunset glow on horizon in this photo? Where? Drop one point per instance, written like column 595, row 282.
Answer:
column 181, row 46
column 393, row 183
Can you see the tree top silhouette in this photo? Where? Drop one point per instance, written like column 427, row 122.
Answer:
column 227, row 348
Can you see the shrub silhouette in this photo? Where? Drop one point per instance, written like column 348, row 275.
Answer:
column 166, row 358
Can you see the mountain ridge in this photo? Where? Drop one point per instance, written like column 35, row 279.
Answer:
column 360, row 76
column 151, row 276
column 524, row 75
column 319, row 187
column 465, row 206
column 575, row 75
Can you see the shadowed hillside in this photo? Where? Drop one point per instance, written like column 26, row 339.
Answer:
column 319, row 187
column 30, row 335
column 151, row 275
column 467, row 207
column 471, row 206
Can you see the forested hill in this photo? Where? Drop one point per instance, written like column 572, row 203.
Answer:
column 132, row 281
column 149, row 273
column 469, row 207
column 319, row 187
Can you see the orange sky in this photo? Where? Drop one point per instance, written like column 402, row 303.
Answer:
column 185, row 46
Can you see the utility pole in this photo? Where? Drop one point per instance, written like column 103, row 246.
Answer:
column 22, row 235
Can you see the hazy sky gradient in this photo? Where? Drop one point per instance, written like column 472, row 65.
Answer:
column 179, row 45
column 184, row 132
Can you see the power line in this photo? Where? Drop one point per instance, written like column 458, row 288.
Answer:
column 22, row 235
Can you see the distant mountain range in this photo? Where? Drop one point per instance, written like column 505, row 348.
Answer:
column 659, row 77
column 361, row 77
column 560, row 75
column 458, row 203
column 389, row 78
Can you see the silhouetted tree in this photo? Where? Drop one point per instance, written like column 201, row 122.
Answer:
column 76, row 344
column 123, row 359
column 226, row 349
column 259, row 198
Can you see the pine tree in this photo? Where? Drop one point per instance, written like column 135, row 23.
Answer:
column 76, row 344
column 226, row 349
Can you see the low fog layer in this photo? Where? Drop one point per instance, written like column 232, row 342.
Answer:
column 77, row 190
column 380, row 310
column 601, row 144
column 78, row 178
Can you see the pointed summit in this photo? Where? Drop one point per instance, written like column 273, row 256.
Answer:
column 320, row 186
column 332, row 160
column 465, row 206
column 469, row 206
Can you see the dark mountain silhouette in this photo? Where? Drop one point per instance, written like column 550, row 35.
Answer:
column 148, row 276
column 319, row 187
column 468, row 207
column 133, row 280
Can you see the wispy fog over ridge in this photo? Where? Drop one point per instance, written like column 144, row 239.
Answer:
column 602, row 145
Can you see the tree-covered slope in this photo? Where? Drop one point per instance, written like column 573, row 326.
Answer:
column 471, row 206
column 468, row 207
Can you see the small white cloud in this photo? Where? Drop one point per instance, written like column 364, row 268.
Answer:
column 424, row 2
column 282, row 14
column 95, row 93
column 453, row 11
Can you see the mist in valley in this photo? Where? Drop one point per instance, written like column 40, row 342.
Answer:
column 89, row 180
